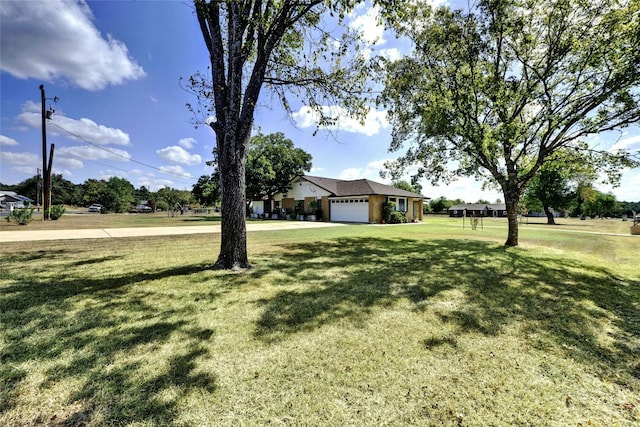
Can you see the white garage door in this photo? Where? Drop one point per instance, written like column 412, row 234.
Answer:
column 350, row 210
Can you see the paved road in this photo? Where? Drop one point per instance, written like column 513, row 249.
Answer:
column 105, row 233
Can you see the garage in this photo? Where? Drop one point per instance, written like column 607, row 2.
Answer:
column 350, row 209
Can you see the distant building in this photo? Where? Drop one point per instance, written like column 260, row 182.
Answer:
column 11, row 200
column 478, row 210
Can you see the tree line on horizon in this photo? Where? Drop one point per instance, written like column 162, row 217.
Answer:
column 119, row 195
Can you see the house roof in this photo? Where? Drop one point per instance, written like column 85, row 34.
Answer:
column 357, row 187
column 479, row 207
column 13, row 195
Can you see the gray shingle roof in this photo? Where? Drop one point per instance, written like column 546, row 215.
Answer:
column 357, row 187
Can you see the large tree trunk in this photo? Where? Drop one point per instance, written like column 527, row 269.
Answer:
column 511, row 197
column 233, row 243
column 549, row 214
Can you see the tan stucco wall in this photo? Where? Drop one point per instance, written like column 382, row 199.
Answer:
column 414, row 209
column 324, row 206
column 308, row 200
column 375, row 208
column 288, row 203
column 417, row 207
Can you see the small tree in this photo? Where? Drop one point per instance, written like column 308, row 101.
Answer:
column 122, row 191
column 439, row 205
column 22, row 216
column 602, row 205
column 56, row 212
column 207, row 190
column 174, row 199
column 141, row 194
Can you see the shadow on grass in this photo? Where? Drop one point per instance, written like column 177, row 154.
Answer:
column 131, row 354
column 105, row 337
column 562, row 301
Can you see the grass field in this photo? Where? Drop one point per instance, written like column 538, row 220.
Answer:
column 84, row 220
column 422, row 324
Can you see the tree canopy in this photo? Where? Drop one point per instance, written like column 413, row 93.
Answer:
column 272, row 163
column 404, row 185
column 207, row 190
column 495, row 91
column 556, row 184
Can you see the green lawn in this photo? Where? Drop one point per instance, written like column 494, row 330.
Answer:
column 425, row 324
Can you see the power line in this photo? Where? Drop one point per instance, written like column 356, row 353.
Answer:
column 124, row 170
column 118, row 154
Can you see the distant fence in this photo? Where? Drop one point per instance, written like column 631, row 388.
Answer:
column 202, row 211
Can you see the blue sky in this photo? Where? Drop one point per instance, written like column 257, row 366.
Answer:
column 115, row 67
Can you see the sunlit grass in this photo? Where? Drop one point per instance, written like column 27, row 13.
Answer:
column 361, row 325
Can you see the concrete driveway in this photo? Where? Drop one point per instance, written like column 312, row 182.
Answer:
column 105, row 233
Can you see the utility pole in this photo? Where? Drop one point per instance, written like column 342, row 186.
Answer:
column 46, row 168
column 45, row 185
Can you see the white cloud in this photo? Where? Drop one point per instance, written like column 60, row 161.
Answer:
column 64, row 172
column 57, row 39
column 88, row 130
column 628, row 189
column 179, row 155
column 392, row 54
column 187, row 142
column 5, row 140
column 68, row 162
column 138, row 172
column 80, row 130
column 351, row 173
column 106, row 174
column 306, row 117
column 149, row 180
column 630, row 144
column 370, row 171
column 89, row 152
column 176, row 170
column 369, row 25
column 19, row 158
column 157, row 184
column 436, row 3
column 377, row 164
column 28, row 171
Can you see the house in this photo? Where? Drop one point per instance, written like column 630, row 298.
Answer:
column 10, row 200
column 340, row 200
column 478, row 210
